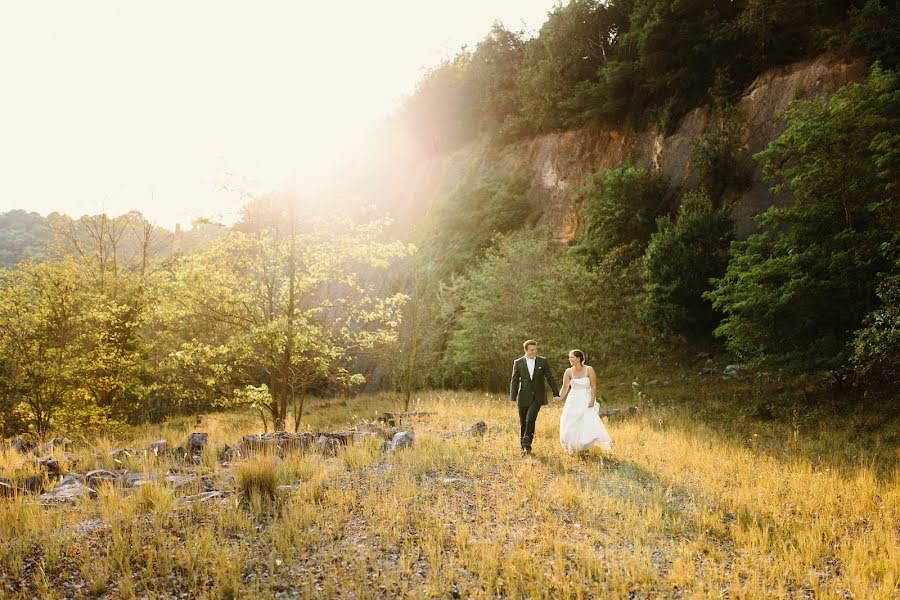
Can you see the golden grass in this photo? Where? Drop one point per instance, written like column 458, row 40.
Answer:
column 680, row 507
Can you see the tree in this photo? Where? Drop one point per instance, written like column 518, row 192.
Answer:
column 620, row 207
column 681, row 259
column 795, row 293
column 39, row 308
column 285, row 303
column 564, row 301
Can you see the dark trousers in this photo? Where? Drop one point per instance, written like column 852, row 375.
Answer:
column 527, row 418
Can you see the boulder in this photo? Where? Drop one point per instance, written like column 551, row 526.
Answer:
column 476, row 430
column 69, row 492
column 22, row 445
column 197, row 442
column 50, row 464
column 402, row 439
column 730, row 370
column 34, row 484
column 99, row 477
column 53, row 444
column 158, row 447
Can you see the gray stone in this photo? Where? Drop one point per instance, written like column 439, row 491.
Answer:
column 71, row 479
column 99, row 477
column 197, row 442
column 22, row 445
column 55, row 443
column 158, row 447
column 180, row 481
column 730, row 370
column 50, row 464
column 67, row 493
column 402, row 439
column 476, row 430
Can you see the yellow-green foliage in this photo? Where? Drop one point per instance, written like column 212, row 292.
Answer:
column 679, row 507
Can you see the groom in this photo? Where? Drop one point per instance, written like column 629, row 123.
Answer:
column 526, row 389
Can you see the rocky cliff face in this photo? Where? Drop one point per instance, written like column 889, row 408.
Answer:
column 557, row 162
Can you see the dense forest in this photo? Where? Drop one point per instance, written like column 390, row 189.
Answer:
column 106, row 321
column 657, row 271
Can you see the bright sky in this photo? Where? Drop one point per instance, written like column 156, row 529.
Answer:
column 164, row 107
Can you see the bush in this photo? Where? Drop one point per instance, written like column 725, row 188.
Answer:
column 876, row 348
column 681, row 259
column 620, row 207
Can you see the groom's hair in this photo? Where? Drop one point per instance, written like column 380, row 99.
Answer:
column 527, row 343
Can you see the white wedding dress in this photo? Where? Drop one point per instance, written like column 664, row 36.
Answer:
column 580, row 427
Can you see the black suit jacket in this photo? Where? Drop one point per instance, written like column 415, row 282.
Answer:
column 523, row 389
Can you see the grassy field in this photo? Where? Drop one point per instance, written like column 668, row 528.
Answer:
column 690, row 503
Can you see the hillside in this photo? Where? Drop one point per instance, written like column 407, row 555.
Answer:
column 407, row 185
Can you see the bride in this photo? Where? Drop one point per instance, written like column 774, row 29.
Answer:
column 580, row 427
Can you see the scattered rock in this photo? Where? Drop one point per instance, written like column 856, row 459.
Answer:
column 158, row 447
column 703, row 355
column 402, row 439
column 50, row 464
column 54, row 443
column 201, row 497
column 34, row 484
column 476, row 430
column 180, row 481
column 69, row 492
column 99, row 477
column 707, row 371
column 22, row 445
column 730, row 370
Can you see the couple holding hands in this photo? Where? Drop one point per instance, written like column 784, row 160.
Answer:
column 580, row 427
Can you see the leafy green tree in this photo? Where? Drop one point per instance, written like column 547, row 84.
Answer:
column 571, row 47
column 490, row 90
column 40, row 304
column 460, row 228
column 565, row 301
column 283, row 303
column 795, row 293
column 875, row 29
column 714, row 154
column 620, row 207
column 681, row 259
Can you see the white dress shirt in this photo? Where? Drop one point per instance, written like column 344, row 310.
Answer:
column 530, row 362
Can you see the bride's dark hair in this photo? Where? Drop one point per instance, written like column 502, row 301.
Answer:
column 579, row 354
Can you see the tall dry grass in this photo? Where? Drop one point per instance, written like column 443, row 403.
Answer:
column 681, row 507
